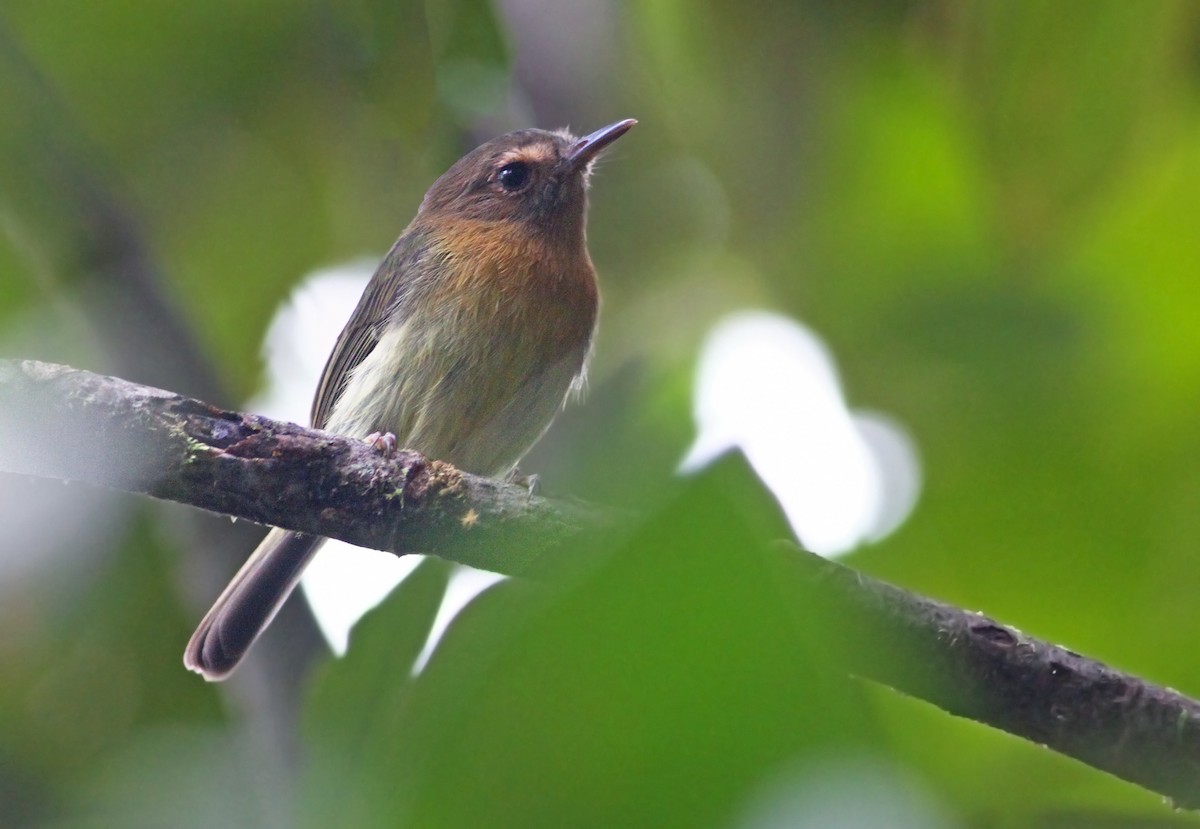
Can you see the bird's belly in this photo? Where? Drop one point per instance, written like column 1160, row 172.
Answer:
column 476, row 402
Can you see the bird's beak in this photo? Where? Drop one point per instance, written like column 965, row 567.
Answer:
column 585, row 150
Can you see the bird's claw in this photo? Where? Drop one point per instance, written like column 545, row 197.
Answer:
column 383, row 442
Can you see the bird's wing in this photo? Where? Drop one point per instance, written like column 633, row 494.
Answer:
column 366, row 325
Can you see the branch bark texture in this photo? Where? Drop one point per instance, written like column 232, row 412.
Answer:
column 976, row 667
column 60, row 422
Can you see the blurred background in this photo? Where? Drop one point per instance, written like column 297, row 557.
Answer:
column 988, row 212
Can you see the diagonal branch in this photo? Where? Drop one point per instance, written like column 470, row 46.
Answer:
column 61, row 422
column 973, row 666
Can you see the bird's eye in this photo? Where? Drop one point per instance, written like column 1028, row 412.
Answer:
column 514, row 176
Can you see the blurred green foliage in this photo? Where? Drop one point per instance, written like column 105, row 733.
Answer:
column 990, row 209
column 652, row 686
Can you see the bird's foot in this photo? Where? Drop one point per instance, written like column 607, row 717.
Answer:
column 383, row 442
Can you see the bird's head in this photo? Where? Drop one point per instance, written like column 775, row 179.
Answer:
column 531, row 176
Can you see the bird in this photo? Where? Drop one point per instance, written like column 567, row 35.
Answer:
column 472, row 334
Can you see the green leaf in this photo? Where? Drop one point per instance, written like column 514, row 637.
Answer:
column 658, row 682
column 355, row 697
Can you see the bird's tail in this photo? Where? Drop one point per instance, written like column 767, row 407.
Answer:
column 249, row 603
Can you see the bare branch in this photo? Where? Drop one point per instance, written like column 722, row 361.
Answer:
column 975, row 667
column 61, row 422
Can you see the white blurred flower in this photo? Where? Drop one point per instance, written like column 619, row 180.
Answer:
column 769, row 386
